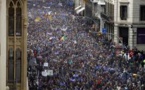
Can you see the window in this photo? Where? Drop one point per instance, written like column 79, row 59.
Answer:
column 18, row 65
column 11, row 20
column 15, row 24
column 123, row 12
column 141, row 36
column 14, row 59
column 142, row 12
column 11, row 66
column 18, row 20
column 103, row 8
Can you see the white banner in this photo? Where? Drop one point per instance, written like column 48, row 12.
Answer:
column 44, row 73
column 45, row 64
column 50, row 72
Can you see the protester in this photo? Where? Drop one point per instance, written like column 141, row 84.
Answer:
column 61, row 41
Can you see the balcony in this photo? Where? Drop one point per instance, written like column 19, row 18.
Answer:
column 97, row 1
column 94, row 1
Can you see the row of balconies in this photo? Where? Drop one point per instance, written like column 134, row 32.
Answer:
column 109, row 9
column 96, row 8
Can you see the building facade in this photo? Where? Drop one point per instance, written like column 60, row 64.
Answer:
column 2, row 44
column 79, row 7
column 129, row 22
column 123, row 19
column 13, row 45
column 109, row 17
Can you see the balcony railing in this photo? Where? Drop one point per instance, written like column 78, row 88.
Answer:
column 96, row 1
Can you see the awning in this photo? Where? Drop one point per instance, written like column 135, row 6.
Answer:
column 80, row 10
column 78, row 7
column 101, row 3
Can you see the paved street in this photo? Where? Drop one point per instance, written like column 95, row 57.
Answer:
column 60, row 41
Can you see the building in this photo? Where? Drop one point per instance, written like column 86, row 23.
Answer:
column 79, row 7
column 104, row 10
column 13, row 44
column 108, row 16
column 3, row 45
column 129, row 22
column 88, row 9
column 124, row 20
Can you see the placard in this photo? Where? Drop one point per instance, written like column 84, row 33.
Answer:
column 45, row 64
column 50, row 72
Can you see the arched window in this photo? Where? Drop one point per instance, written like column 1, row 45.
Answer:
column 11, row 66
column 18, row 65
column 15, row 22
column 11, row 19
column 18, row 19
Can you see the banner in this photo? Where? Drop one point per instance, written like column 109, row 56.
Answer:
column 37, row 19
column 50, row 72
column 63, row 38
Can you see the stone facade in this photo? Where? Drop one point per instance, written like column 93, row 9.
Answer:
column 109, row 14
column 5, row 43
column 131, row 24
column 2, row 44
column 124, row 30
column 79, row 6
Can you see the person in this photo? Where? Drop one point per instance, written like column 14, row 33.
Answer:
column 79, row 58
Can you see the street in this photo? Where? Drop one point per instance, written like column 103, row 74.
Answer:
column 75, row 58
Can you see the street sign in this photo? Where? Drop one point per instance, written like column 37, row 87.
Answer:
column 104, row 31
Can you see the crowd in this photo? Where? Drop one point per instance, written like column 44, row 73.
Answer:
column 63, row 42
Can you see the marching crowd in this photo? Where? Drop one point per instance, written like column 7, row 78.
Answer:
column 61, row 41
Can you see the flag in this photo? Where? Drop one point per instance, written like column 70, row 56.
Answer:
column 45, row 15
column 63, row 38
column 50, row 17
column 99, row 33
column 70, row 62
column 37, row 19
